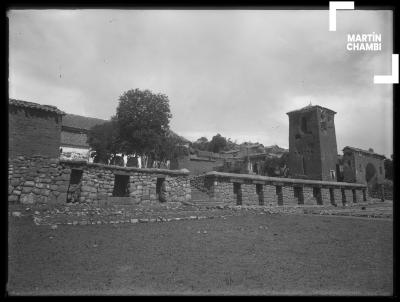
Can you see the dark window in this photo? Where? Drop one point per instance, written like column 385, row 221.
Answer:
column 76, row 176
column 380, row 170
column 278, row 190
column 237, row 191
column 121, row 183
column 304, row 125
column 159, row 189
column 304, row 166
column 260, row 193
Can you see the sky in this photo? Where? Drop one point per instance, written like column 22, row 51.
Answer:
column 233, row 72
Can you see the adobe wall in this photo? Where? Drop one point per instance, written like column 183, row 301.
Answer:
column 45, row 180
column 258, row 190
column 33, row 132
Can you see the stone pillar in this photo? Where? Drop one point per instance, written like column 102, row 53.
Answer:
column 325, row 196
column 288, row 196
column 365, row 195
column 337, row 193
column 349, row 196
column 247, row 196
column 382, row 192
column 270, row 197
column 308, row 196
column 359, row 195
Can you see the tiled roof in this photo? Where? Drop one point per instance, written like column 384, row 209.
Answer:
column 25, row 104
column 80, row 122
column 310, row 107
column 363, row 151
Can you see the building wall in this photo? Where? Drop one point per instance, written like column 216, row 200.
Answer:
column 312, row 144
column 33, row 132
column 45, row 180
column 355, row 167
column 327, row 144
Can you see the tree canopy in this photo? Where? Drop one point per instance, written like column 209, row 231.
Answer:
column 103, row 139
column 140, row 127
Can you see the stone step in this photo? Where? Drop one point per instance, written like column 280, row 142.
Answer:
column 111, row 200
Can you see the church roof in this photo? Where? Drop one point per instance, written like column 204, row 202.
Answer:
column 80, row 122
column 309, row 108
column 31, row 105
column 366, row 152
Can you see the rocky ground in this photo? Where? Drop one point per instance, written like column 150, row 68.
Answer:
column 241, row 251
column 85, row 214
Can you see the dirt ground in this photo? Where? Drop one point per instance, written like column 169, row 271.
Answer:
column 250, row 254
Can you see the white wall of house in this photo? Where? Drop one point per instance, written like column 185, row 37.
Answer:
column 75, row 153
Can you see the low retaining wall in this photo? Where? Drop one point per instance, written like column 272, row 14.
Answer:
column 46, row 180
column 258, row 190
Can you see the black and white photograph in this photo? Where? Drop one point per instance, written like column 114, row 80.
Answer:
column 169, row 151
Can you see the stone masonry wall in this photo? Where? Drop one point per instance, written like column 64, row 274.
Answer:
column 37, row 179
column 223, row 192
column 41, row 179
column 277, row 190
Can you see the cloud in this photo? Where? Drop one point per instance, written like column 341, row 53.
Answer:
column 231, row 72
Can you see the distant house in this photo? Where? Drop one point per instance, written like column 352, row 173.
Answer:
column 74, row 132
column 34, row 129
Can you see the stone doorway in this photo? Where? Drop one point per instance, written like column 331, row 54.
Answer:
column 161, row 190
column 317, row 195
column 260, row 194
column 298, row 194
column 237, row 191
column 73, row 191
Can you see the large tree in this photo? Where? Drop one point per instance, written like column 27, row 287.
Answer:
column 201, row 144
column 143, row 120
column 139, row 128
column 103, row 139
column 217, row 143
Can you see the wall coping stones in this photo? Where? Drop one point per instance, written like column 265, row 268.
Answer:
column 83, row 163
column 288, row 181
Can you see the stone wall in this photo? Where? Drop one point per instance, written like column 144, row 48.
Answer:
column 251, row 189
column 45, row 180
